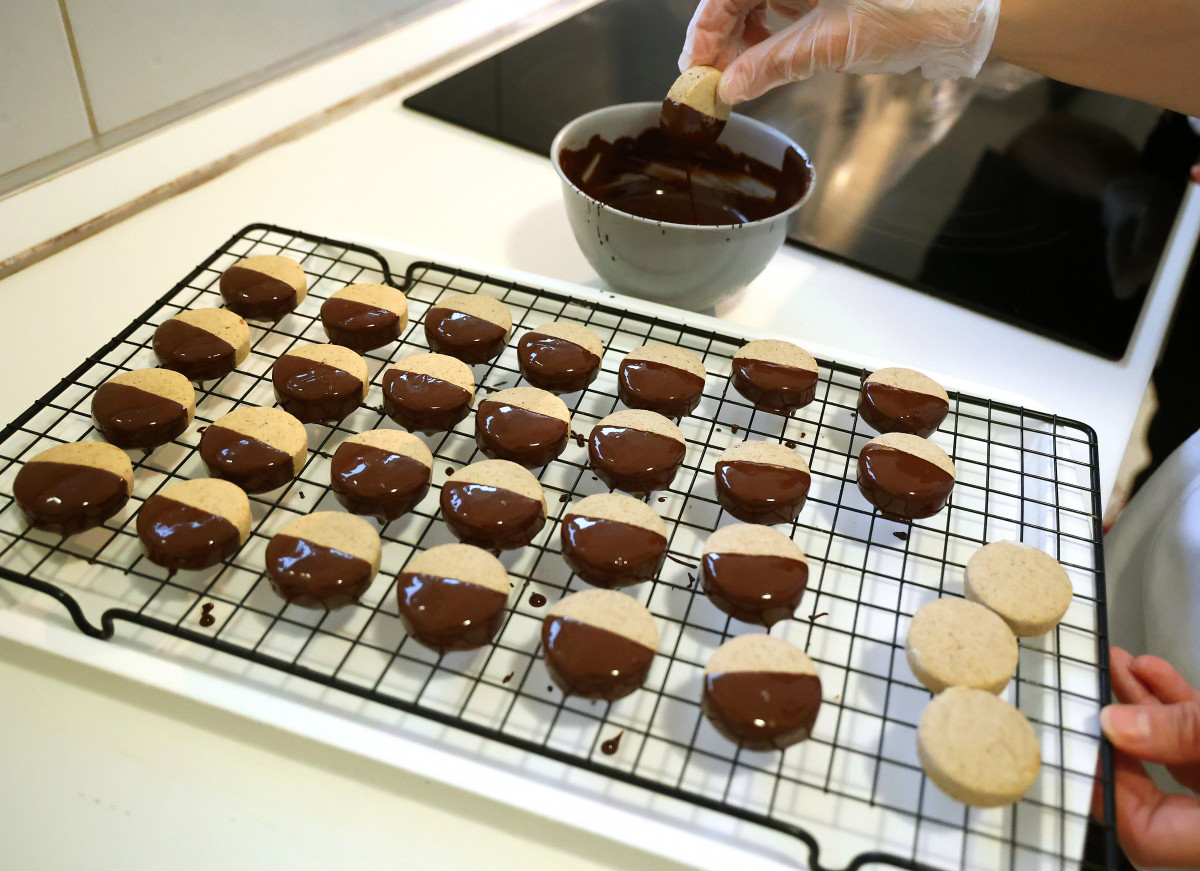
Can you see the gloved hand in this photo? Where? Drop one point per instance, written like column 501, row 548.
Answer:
column 945, row 38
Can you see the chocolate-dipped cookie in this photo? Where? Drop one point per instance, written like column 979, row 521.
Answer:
column 693, row 113
column 636, row 451
column 320, row 383
column 1026, row 587
column 472, row 327
column 452, row 597
column 202, row 344
column 326, row 559
column 144, row 408
column 561, row 356
column 612, row 540
column 194, row 524
column 761, row 692
column 522, row 424
column 753, row 573
column 265, row 287
column 73, row 487
column 382, row 473
column 599, row 644
column 762, row 482
column 364, row 317
column 901, row 400
column 905, row 476
column 494, row 504
column 776, row 376
column 956, row 643
column 428, row 392
column 663, row 378
column 258, row 449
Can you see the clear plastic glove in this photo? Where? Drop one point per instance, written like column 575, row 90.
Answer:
column 945, row 38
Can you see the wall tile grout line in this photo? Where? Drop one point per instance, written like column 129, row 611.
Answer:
column 79, row 77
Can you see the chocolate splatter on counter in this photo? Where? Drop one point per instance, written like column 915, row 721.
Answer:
column 507, row 677
column 536, row 600
column 612, row 745
column 903, row 536
column 563, row 497
column 206, row 616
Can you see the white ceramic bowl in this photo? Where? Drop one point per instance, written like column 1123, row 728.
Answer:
column 685, row 265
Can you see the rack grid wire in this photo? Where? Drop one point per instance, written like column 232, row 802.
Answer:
column 854, row 793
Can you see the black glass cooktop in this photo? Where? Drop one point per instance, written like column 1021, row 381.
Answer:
column 1039, row 203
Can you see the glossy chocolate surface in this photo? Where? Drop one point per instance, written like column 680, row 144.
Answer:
column 885, row 408
column 423, row 403
column 555, row 364
column 377, row 482
column 359, row 325
column 761, row 492
column 466, row 337
column 634, row 460
column 179, row 536
column 253, row 294
column 446, row 614
column 312, row 391
column 900, row 485
column 509, row 432
column 490, row 517
column 669, row 390
column 314, row 576
column 584, row 660
column 773, row 386
column 609, row 553
column 253, row 465
column 755, row 588
column 196, row 354
column 686, row 127
column 762, row 710
column 67, row 498
column 130, row 417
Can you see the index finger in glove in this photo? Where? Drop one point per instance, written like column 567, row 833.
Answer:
column 719, row 30
column 813, row 43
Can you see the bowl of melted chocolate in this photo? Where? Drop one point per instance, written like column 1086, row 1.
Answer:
column 674, row 217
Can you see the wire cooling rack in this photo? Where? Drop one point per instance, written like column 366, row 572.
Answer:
column 854, row 793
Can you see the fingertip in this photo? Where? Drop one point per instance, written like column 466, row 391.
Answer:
column 1125, row 725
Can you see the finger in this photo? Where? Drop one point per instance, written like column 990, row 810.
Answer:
column 1154, row 828
column 1161, row 678
column 791, row 55
column 1127, row 688
column 1169, row 734
column 790, row 9
column 715, row 32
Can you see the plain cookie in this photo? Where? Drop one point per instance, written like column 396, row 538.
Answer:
column 1025, row 586
column 953, row 642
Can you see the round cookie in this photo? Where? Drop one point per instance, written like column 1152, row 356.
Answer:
column 953, row 643
column 320, row 383
column 977, row 748
column 382, row 473
column 1025, row 586
column 258, row 449
column 364, row 317
column 774, row 375
column 636, row 451
column 472, row 327
column 522, row 424
column 73, row 487
column 762, row 482
column 144, row 408
column 428, row 392
column 194, row 524
column 202, row 344
column 905, row 476
column 761, row 692
column 599, row 644
column 452, row 597
column 561, row 356
column 692, row 114
column 326, row 559
column 612, row 540
column 902, row 400
column 265, row 287
column 753, row 573
column 494, row 504
column 663, row 378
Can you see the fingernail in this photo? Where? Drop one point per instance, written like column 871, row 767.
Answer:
column 1127, row 723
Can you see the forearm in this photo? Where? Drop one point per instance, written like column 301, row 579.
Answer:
column 1146, row 49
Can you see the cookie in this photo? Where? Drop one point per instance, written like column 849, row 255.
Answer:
column 73, row 487
column 144, row 408
column 258, row 449
column 761, row 692
column 561, row 356
column 612, row 540
column 194, row 524
column 382, row 473
column 762, row 482
column 320, row 383
column 956, row 643
column 901, row 400
column 977, row 748
column 753, row 573
column 636, row 451
column 775, row 376
column 599, row 644
column 663, row 378
column 452, row 597
column 693, row 114
column 472, row 327
column 494, row 504
column 326, row 559
column 364, row 317
column 522, row 424
column 428, row 393
column 265, row 287
column 1025, row 586
column 202, row 344
column 905, row 476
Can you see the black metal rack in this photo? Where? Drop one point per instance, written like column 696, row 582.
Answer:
column 1022, row 475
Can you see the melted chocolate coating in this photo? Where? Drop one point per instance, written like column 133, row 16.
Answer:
column 508, row 432
column 670, row 391
column 761, row 492
column 762, row 710
column 179, row 536
column 901, row 486
column 686, row 127
column 634, row 460
column 446, row 614
column 376, row 482
column 893, row 409
column 773, row 386
column 253, row 465
column 490, row 517
column 423, row 403
column 466, row 337
column 555, row 364
column 254, row 294
column 314, row 576
column 358, row 325
column 196, row 354
column 584, row 660
column 755, row 588
column 67, row 498
column 312, row 391
column 130, row 417
column 609, row 553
